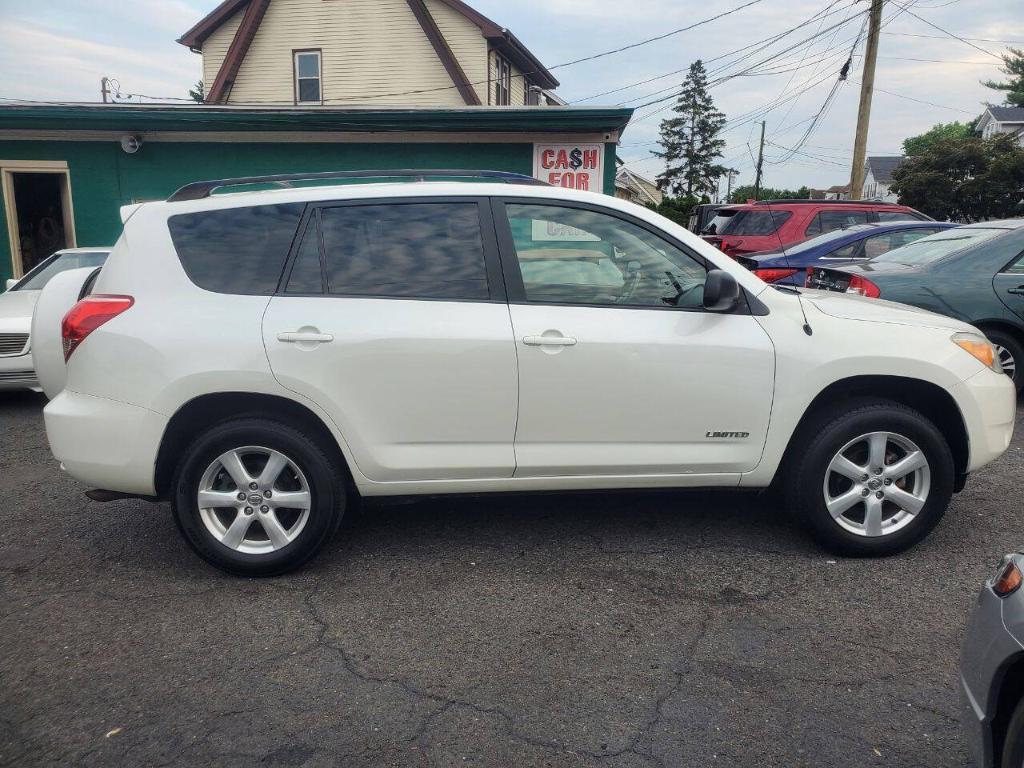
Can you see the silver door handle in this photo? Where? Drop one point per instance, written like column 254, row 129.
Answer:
column 552, row 341
column 300, row 336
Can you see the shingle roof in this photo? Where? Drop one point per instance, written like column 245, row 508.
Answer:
column 1008, row 114
column 882, row 166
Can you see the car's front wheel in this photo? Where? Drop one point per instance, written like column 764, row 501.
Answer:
column 256, row 497
column 873, row 480
column 1011, row 356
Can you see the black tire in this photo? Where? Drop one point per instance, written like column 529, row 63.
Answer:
column 1016, row 350
column 829, row 432
column 1013, row 745
column 325, row 482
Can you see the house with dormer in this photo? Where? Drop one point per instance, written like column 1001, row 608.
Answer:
column 423, row 53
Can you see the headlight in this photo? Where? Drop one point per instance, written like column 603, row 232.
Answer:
column 1007, row 579
column 979, row 348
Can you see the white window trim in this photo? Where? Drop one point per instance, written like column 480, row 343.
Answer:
column 319, row 74
column 502, row 82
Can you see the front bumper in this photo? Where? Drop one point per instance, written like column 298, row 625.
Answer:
column 105, row 443
column 988, row 651
column 988, row 404
column 17, row 372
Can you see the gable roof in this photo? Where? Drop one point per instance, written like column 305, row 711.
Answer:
column 882, row 166
column 1007, row 114
column 500, row 39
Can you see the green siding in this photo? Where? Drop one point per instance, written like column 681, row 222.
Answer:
column 103, row 177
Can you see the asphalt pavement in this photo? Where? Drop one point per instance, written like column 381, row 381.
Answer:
column 616, row 629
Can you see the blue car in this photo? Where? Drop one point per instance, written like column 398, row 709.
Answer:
column 859, row 242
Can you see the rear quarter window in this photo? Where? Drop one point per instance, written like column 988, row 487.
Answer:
column 236, row 250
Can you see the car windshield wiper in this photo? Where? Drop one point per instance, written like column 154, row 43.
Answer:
column 786, row 289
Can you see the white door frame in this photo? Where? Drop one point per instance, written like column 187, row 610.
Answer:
column 7, row 170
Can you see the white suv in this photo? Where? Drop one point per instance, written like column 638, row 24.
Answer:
column 260, row 358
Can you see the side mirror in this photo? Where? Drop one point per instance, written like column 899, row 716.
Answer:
column 11, row 282
column 721, row 291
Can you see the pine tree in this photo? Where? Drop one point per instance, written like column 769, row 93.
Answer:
column 1014, row 61
column 690, row 139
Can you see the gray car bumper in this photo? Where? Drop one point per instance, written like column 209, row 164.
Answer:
column 988, row 651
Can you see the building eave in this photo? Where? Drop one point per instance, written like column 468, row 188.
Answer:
column 136, row 118
column 210, row 22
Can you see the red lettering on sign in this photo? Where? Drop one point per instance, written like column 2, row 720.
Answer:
column 590, row 158
column 547, row 158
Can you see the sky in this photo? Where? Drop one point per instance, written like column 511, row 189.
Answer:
column 58, row 50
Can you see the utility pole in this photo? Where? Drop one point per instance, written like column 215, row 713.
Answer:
column 760, row 161
column 105, row 89
column 728, row 186
column 867, row 88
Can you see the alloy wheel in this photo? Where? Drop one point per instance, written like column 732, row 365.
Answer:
column 1006, row 360
column 254, row 500
column 876, row 484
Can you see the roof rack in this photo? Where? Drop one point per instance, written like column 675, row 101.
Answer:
column 201, row 189
column 805, row 201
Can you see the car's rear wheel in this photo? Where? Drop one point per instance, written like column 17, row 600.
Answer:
column 1013, row 746
column 256, row 497
column 1011, row 356
column 872, row 481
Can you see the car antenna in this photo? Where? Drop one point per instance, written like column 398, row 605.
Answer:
column 799, row 296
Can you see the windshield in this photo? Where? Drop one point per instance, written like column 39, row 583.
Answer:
column 59, row 262
column 938, row 246
column 753, row 223
column 836, row 234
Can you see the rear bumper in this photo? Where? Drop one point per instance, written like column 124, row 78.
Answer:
column 988, row 403
column 105, row 443
column 17, row 373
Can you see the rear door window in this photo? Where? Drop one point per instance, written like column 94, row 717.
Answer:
column 416, row 250
column 829, row 221
column 236, row 250
column 759, row 222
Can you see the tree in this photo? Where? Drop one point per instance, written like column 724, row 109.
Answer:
column 966, row 179
column 690, row 139
column 915, row 145
column 746, row 192
column 678, row 209
column 196, row 92
column 1014, row 87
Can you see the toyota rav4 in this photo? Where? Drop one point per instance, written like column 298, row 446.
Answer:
column 262, row 358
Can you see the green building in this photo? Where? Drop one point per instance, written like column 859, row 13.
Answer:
column 66, row 169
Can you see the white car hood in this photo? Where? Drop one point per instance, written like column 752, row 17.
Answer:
column 853, row 307
column 16, row 310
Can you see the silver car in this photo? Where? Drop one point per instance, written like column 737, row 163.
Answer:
column 992, row 670
column 16, row 305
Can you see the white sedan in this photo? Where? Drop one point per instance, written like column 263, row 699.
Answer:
column 16, row 305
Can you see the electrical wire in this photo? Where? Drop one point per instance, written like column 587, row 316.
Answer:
column 963, row 40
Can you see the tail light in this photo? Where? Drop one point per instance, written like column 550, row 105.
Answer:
column 1008, row 579
column 863, row 287
column 774, row 275
column 88, row 315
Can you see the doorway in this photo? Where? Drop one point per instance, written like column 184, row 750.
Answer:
column 37, row 199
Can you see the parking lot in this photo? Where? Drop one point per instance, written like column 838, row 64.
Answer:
column 617, row 629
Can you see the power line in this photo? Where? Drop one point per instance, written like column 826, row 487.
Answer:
column 943, row 37
column 922, row 101
column 824, row 13
column 963, row 40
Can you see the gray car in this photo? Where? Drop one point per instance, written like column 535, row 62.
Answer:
column 992, row 670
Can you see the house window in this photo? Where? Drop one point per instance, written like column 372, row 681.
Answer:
column 307, row 77
column 502, row 81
